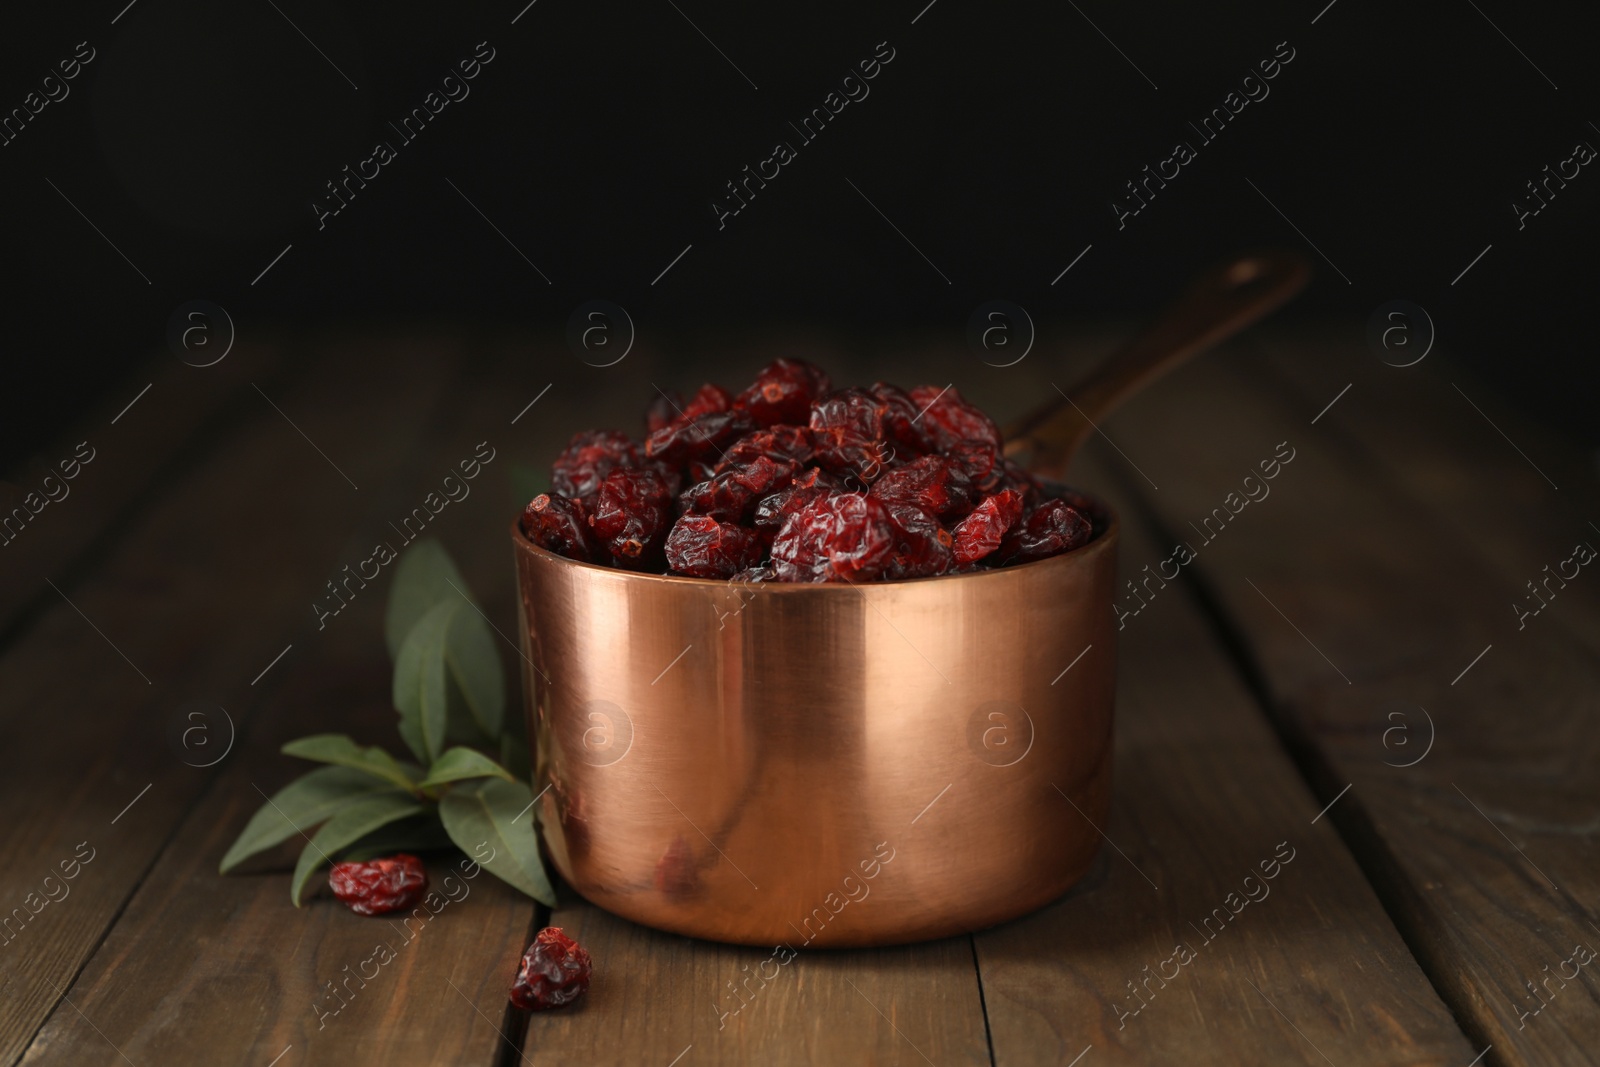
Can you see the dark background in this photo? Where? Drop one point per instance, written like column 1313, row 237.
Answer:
column 198, row 137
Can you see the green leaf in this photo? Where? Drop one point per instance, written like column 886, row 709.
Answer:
column 460, row 763
column 421, row 682
column 341, row 751
column 424, row 833
column 528, row 482
column 350, row 825
column 301, row 805
column 411, row 734
column 424, row 576
column 474, row 664
column 461, row 728
column 498, row 813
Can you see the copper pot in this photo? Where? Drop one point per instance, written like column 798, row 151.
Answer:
column 846, row 764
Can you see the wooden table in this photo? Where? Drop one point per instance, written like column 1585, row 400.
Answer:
column 1338, row 685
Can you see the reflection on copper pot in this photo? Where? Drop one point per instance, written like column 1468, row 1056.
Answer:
column 838, row 764
column 821, row 764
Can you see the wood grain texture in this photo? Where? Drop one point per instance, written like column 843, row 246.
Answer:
column 1375, row 623
column 198, row 968
column 1287, row 969
column 1445, row 439
column 182, row 593
column 252, row 977
column 657, row 996
column 152, row 439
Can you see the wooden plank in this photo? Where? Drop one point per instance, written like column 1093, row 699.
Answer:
column 133, row 442
column 1205, row 797
column 1374, row 620
column 659, row 996
column 1445, row 439
column 192, row 600
column 442, row 998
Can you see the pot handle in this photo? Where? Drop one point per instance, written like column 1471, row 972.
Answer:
column 1218, row 304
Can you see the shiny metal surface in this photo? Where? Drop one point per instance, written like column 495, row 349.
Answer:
column 831, row 765
column 821, row 765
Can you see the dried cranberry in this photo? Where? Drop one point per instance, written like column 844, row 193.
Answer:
column 707, row 399
column 671, row 474
column 555, row 971
column 773, row 511
column 561, row 525
column 899, row 419
column 922, row 546
column 793, row 481
column 701, row 426
column 933, row 483
column 980, row 533
column 662, row 410
column 983, row 465
column 1015, row 476
column 701, row 547
column 847, row 427
column 1081, row 502
column 1051, row 528
column 632, row 511
column 946, row 420
column 731, row 493
column 845, row 536
column 698, row 437
column 848, row 411
column 381, row 886
column 783, row 392
column 583, row 465
column 779, row 442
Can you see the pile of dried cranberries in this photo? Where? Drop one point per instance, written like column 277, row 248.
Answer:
column 795, row 481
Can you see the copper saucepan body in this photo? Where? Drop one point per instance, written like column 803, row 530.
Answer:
column 847, row 764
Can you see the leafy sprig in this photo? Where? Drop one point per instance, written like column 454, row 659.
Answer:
column 449, row 689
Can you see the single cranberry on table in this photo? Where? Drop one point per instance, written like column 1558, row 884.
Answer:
column 554, row 971
column 379, row 886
